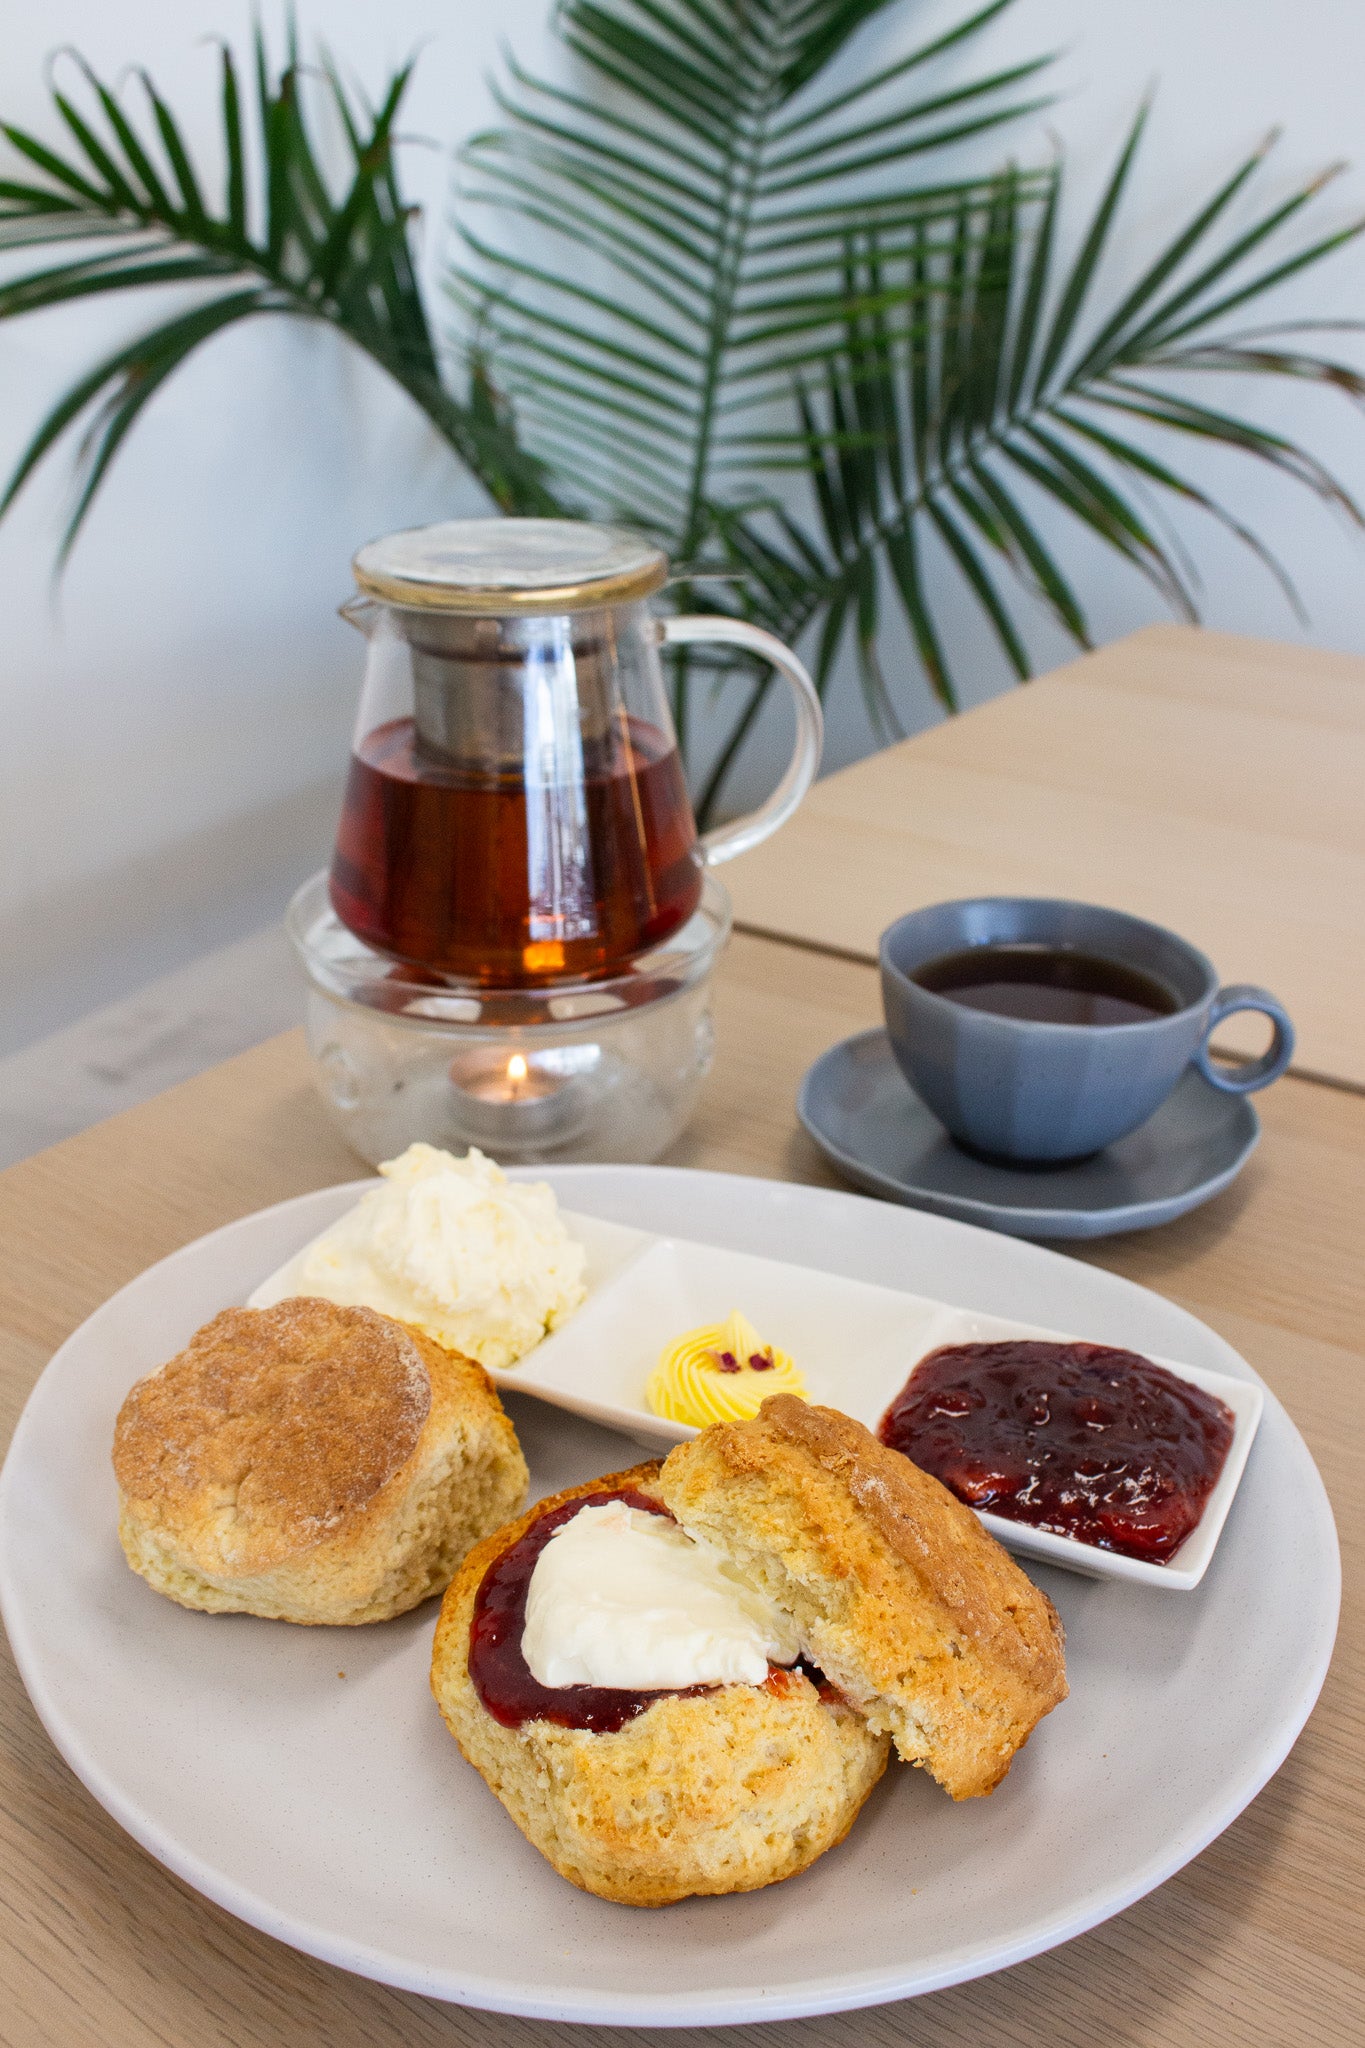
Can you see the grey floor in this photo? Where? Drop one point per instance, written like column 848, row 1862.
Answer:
column 174, row 1027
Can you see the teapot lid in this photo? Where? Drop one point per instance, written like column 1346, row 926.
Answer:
column 510, row 565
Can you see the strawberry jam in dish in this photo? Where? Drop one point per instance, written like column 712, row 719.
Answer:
column 1086, row 1440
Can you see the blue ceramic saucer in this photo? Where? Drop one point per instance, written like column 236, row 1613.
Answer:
column 874, row 1129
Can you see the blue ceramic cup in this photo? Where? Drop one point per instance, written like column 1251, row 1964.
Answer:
column 1032, row 1092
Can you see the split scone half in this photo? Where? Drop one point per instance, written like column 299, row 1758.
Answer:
column 671, row 1793
column 311, row 1463
column 907, row 1604
column 891, row 1614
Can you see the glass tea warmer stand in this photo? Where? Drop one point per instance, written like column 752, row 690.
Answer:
column 514, row 946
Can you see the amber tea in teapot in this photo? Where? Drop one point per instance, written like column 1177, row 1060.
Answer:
column 516, row 810
column 441, row 868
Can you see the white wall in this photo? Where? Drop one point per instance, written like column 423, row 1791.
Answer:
column 176, row 722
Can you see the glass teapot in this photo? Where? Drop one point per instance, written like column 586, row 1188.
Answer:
column 516, row 812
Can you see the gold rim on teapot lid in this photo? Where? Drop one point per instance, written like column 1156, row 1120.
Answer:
column 510, row 565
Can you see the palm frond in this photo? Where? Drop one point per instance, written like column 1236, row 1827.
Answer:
column 965, row 394
column 716, row 269
column 124, row 187
column 675, row 225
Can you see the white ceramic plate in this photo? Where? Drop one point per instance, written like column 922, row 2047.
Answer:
column 855, row 1342
column 336, row 1814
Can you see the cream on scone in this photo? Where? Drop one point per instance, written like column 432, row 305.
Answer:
column 902, row 1598
column 620, row 1699
column 311, row 1463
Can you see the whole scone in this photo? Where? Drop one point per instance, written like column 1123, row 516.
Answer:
column 311, row 1463
column 905, row 1602
column 713, row 1792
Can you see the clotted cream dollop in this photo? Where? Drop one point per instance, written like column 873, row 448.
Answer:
column 478, row 1263
column 624, row 1598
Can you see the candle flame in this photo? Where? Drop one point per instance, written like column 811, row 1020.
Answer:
column 516, row 1068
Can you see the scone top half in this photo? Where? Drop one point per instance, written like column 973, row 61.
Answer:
column 311, row 1463
column 912, row 1609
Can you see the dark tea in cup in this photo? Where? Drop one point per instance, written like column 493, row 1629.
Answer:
column 1039, row 1031
column 1047, row 984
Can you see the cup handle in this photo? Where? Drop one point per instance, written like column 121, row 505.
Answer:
column 1245, row 1080
column 728, row 840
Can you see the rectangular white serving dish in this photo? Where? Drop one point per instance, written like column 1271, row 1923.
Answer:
column 856, row 1344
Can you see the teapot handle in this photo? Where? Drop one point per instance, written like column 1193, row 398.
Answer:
column 728, row 840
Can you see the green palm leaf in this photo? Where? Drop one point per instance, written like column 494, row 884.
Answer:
column 692, row 204
column 134, row 202
column 707, row 269
column 977, row 394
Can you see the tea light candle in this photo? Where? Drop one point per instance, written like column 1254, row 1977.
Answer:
column 513, row 1103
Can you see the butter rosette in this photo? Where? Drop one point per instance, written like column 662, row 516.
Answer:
column 721, row 1373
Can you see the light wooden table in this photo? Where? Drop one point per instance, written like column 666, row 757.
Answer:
column 1214, row 784
column 1257, row 1942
